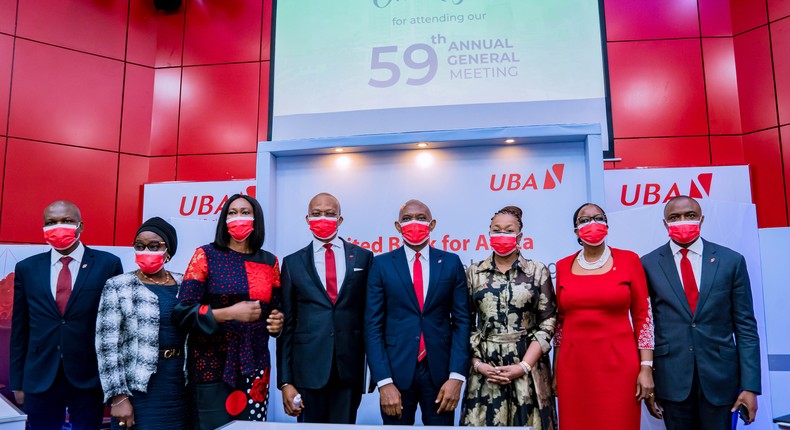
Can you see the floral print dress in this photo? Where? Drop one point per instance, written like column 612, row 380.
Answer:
column 511, row 311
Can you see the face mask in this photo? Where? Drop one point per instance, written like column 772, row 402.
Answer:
column 240, row 227
column 323, row 227
column 684, row 232
column 504, row 244
column 60, row 236
column 150, row 262
column 593, row 233
column 415, row 232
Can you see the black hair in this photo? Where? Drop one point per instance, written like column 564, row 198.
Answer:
column 576, row 216
column 255, row 241
column 514, row 211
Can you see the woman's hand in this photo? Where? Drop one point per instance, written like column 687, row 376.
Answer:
column 644, row 383
column 501, row 375
column 122, row 411
column 247, row 311
column 274, row 323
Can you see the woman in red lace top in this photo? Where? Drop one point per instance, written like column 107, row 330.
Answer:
column 228, row 303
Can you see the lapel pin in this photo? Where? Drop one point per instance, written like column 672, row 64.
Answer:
column 85, row 265
column 439, row 261
column 351, row 256
column 712, row 260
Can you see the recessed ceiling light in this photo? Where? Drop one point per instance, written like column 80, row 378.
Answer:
column 422, row 145
column 510, row 140
column 339, row 149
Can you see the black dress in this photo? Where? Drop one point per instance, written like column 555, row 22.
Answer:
column 166, row 404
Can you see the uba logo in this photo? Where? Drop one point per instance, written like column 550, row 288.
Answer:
column 519, row 182
column 652, row 193
column 205, row 204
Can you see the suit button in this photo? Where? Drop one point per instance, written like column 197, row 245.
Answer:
column 58, row 346
column 691, row 348
column 417, row 339
column 63, row 322
column 693, row 325
column 331, row 334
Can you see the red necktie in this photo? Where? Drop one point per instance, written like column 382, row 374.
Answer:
column 331, row 272
column 418, row 290
column 63, row 286
column 689, row 282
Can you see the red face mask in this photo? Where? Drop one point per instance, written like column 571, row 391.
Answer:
column 150, row 262
column 683, row 232
column 593, row 233
column 504, row 244
column 240, row 227
column 415, row 232
column 60, row 236
column 323, row 227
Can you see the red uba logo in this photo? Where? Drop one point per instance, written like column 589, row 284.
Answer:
column 205, row 205
column 652, row 193
column 517, row 182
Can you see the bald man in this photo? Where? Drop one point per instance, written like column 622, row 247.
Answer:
column 417, row 325
column 56, row 299
column 707, row 354
column 320, row 354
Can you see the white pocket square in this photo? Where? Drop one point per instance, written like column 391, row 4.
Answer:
column 358, row 269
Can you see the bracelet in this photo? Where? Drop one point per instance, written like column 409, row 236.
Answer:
column 477, row 364
column 119, row 402
column 648, row 363
column 524, row 365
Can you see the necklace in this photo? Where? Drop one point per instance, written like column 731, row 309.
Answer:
column 153, row 281
column 597, row 264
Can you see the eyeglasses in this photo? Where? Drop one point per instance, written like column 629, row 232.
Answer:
column 584, row 220
column 151, row 246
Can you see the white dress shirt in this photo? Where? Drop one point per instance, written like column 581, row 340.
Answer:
column 319, row 257
column 694, row 255
column 74, row 267
column 426, row 276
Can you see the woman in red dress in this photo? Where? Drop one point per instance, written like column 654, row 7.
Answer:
column 604, row 340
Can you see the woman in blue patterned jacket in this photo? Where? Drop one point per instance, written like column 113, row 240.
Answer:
column 140, row 351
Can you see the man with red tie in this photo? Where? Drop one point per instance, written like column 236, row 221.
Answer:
column 707, row 353
column 320, row 354
column 417, row 325
column 53, row 327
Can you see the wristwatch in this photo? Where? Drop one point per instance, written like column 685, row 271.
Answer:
column 648, row 363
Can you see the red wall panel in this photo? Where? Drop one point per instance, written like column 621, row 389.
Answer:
column 721, row 82
column 7, row 16
column 266, row 27
column 138, row 96
column 43, row 173
column 65, row 96
column 2, row 174
column 727, row 150
column 649, row 19
column 263, row 103
column 6, row 54
column 715, row 18
column 755, row 80
column 663, row 152
column 765, row 161
column 784, row 133
column 221, row 31
column 218, row 167
column 155, row 38
column 98, row 27
column 778, row 9
column 780, row 39
column 657, row 88
column 165, row 111
column 219, row 109
column 132, row 174
column 748, row 14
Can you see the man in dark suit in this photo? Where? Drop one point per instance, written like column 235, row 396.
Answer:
column 56, row 299
column 707, row 354
column 417, row 325
column 320, row 354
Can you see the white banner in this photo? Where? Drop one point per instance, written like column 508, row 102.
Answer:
column 193, row 200
column 630, row 188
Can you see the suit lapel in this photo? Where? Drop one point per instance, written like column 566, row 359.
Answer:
column 308, row 256
column 83, row 272
column 435, row 275
column 350, row 256
column 709, row 266
column 402, row 267
column 667, row 263
column 45, row 272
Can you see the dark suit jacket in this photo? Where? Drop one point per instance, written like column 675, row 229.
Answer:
column 724, row 311
column 393, row 321
column 41, row 337
column 315, row 330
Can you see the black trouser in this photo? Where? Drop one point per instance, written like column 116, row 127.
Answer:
column 335, row 403
column 696, row 412
column 47, row 410
column 423, row 392
column 209, row 402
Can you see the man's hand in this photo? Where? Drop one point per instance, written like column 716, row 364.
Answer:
column 289, row 392
column 390, row 400
column 748, row 399
column 19, row 397
column 274, row 323
column 654, row 407
column 449, row 395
